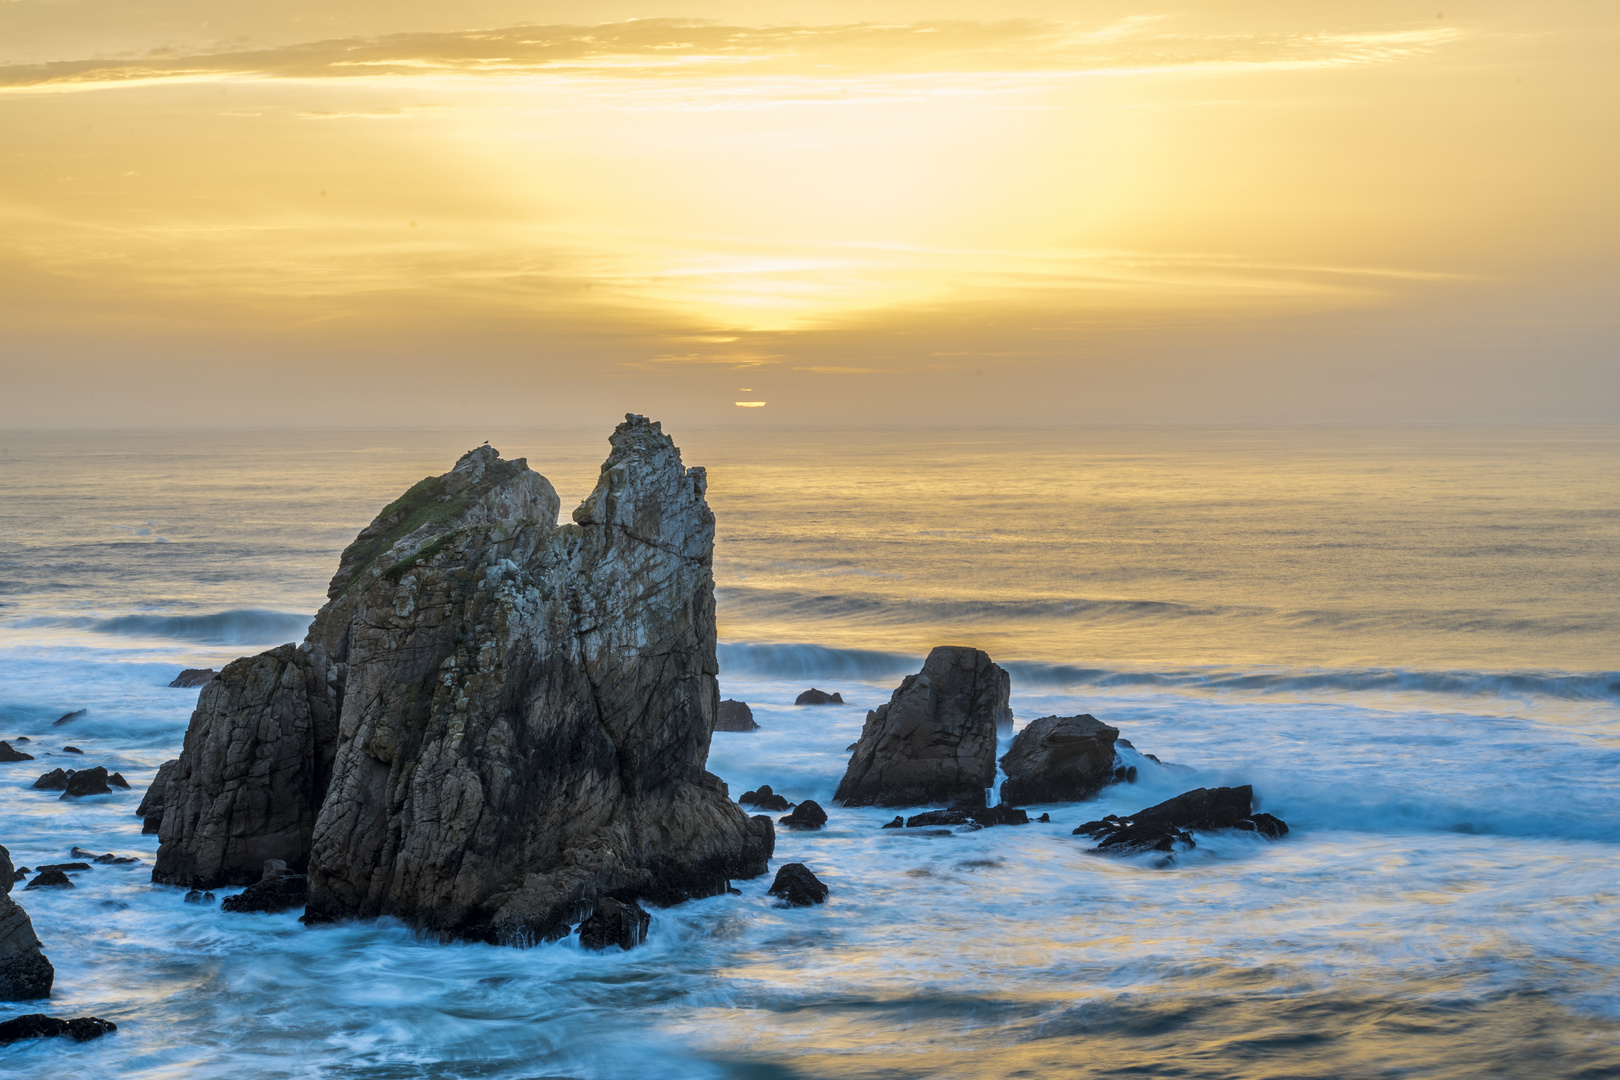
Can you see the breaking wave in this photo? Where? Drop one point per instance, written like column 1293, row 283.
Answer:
column 246, row 626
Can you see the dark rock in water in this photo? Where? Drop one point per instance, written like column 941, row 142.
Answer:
column 735, row 716
column 108, row 859
column 1044, row 819
column 935, row 739
column 526, row 711
column 22, row 738
column 1125, row 774
column 614, row 922
column 117, row 780
column 20, row 873
column 1000, row 815
column 798, row 887
column 898, row 823
column 40, row 1026
column 25, row 973
column 67, row 718
column 813, row 696
column 198, row 896
column 55, row 780
column 807, row 815
column 277, row 890
column 935, row 818
column 8, row 754
column 765, row 799
column 71, row 750
column 193, row 677
column 151, row 809
column 64, row 867
column 1162, row 826
column 51, row 879
column 88, row 782
column 1059, row 759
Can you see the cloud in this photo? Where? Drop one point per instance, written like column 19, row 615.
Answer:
column 684, row 49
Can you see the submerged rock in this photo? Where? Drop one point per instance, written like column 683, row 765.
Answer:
column 735, row 716
column 898, row 823
column 151, row 809
column 494, row 720
column 615, row 922
column 192, row 677
column 798, row 887
column 807, row 815
column 934, row 741
column 93, row 781
column 71, row 750
column 813, row 696
column 41, row 1026
column 65, row 866
column 8, row 754
column 68, row 718
column 198, row 896
column 764, row 799
column 108, row 859
column 25, row 973
column 1161, row 826
column 1059, row 759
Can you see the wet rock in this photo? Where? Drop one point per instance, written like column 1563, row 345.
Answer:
column 108, row 859
column 8, row 754
column 51, row 879
column 117, row 780
column 41, row 1026
column 936, row 818
column 151, row 809
column 1162, row 826
column 807, row 815
column 71, row 750
column 20, row 873
column 494, row 719
column 91, row 781
column 735, row 716
column 1044, row 819
column 898, row 823
column 192, row 677
column 764, row 799
column 934, row 741
column 813, row 696
column 798, row 887
column 68, row 718
column 55, row 780
column 25, row 973
column 615, row 922
column 274, row 893
column 65, row 867
column 22, row 739
column 1059, row 759
column 198, row 896
column 1000, row 815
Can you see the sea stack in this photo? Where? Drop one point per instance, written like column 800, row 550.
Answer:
column 25, row 973
column 495, row 723
column 935, row 739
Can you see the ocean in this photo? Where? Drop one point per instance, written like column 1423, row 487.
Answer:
column 1407, row 640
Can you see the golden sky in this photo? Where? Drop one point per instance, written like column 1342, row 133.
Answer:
column 532, row 212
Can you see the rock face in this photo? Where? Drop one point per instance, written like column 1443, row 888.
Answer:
column 813, row 696
column 1059, row 759
column 495, row 722
column 935, row 739
column 735, row 716
column 798, row 887
column 193, row 677
column 1162, row 826
column 151, row 809
column 8, row 754
column 24, row 971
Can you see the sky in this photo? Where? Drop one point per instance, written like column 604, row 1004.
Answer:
column 415, row 213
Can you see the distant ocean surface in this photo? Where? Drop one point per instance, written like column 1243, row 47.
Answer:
column 1408, row 640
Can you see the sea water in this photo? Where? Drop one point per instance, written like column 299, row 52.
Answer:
column 1404, row 639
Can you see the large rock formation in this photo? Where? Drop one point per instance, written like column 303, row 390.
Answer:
column 935, row 739
column 24, row 971
column 1059, row 759
column 495, row 721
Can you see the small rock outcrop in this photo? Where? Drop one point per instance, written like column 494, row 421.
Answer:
column 735, row 716
column 813, row 696
column 51, row 878
column 68, row 718
column 615, row 922
column 277, row 890
column 1059, row 759
column 934, row 741
column 109, row 859
column 55, row 780
column 71, row 750
column 495, row 721
column 41, row 1026
column 193, row 677
column 8, row 754
column 983, row 818
column 798, row 887
column 151, row 809
column 1162, row 826
column 764, row 799
column 92, row 781
column 25, row 973
column 807, row 815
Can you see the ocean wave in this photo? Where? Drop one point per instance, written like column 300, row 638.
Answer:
column 244, row 626
column 812, row 662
